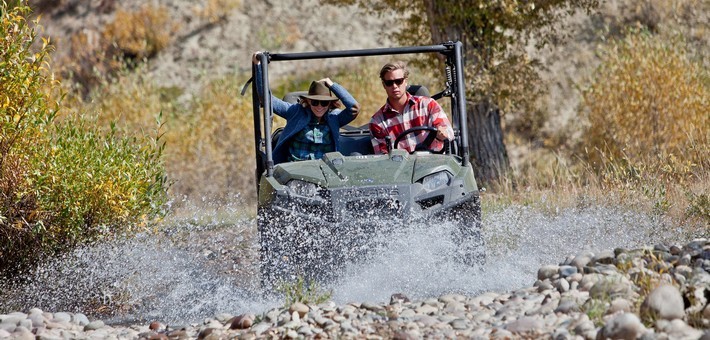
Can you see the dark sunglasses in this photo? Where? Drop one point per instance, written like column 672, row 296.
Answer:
column 320, row 102
column 397, row 81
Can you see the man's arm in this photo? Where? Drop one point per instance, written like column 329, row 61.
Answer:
column 377, row 136
column 439, row 120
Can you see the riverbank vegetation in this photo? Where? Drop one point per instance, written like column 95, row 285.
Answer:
column 64, row 180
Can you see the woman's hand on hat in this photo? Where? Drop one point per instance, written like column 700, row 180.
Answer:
column 326, row 81
column 255, row 58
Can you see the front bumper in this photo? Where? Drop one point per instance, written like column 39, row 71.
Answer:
column 396, row 202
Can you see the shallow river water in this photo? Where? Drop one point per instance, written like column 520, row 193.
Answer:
column 190, row 273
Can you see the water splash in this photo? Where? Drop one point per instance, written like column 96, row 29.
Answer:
column 151, row 278
column 177, row 278
column 519, row 241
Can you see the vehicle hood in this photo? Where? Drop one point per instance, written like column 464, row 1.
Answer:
column 336, row 170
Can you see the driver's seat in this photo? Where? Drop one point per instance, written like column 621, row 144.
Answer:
column 418, row 90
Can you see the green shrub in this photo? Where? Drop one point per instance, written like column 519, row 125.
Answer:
column 63, row 182
column 24, row 108
column 95, row 185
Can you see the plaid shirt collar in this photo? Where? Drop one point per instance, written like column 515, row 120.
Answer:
column 390, row 111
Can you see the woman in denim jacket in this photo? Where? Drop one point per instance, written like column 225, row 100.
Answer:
column 312, row 126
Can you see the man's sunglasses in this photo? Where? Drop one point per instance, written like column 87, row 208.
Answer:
column 391, row 82
column 320, row 102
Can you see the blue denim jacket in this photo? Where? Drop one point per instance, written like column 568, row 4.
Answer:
column 297, row 118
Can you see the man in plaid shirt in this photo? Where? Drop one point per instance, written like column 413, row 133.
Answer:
column 404, row 111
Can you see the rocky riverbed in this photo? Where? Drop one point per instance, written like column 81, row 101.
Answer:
column 659, row 292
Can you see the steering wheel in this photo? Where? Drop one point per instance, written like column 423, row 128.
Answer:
column 424, row 145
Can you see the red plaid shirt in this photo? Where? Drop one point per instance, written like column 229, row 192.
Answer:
column 419, row 111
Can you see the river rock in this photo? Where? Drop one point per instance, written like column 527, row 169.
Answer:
column 547, row 309
column 664, row 302
column 622, row 326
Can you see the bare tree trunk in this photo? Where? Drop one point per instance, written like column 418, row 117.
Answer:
column 435, row 9
column 489, row 155
column 488, row 152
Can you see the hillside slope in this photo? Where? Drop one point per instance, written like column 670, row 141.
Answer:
column 216, row 37
column 206, row 45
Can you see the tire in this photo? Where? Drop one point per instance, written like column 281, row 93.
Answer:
column 292, row 248
column 468, row 234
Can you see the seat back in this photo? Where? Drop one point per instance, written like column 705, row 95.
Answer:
column 356, row 145
column 276, row 135
column 418, row 90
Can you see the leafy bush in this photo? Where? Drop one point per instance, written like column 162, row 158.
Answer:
column 94, row 185
column 649, row 105
column 23, row 109
column 63, row 182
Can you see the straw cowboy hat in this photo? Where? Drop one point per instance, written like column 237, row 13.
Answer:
column 318, row 91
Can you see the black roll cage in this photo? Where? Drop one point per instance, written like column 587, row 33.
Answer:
column 455, row 90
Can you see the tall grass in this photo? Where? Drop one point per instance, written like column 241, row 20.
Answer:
column 213, row 147
column 649, row 103
column 648, row 115
column 646, row 142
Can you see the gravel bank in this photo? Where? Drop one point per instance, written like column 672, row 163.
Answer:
column 659, row 292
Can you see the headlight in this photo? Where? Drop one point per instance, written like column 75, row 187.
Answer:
column 303, row 188
column 437, row 180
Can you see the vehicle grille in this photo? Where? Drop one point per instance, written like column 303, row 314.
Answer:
column 377, row 208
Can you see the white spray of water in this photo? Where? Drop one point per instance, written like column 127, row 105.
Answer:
column 519, row 241
column 174, row 284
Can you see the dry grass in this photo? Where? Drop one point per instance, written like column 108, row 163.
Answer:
column 140, row 34
column 214, row 11
column 213, row 148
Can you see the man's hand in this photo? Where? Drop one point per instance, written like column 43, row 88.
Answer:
column 441, row 133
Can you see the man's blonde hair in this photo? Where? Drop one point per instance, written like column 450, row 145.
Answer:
column 397, row 65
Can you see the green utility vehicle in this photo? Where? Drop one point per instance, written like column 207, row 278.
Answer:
column 315, row 216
